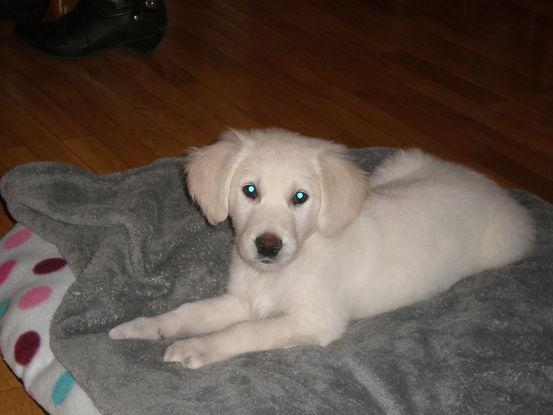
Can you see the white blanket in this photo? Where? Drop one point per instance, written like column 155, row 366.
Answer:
column 33, row 281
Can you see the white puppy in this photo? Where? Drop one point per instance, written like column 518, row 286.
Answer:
column 318, row 243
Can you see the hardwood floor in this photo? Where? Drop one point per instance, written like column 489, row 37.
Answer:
column 470, row 80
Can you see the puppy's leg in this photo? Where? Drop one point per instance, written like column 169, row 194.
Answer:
column 247, row 336
column 200, row 317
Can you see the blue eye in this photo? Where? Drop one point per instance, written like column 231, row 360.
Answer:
column 300, row 197
column 250, row 191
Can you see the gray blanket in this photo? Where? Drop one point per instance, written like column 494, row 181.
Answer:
column 138, row 246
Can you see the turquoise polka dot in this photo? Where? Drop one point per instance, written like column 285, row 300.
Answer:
column 4, row 305
column 62, row 388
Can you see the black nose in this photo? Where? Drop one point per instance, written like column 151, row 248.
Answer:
column 268, row 245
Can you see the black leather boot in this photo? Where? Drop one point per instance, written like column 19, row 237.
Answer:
column 95, row 25
column 27, row 11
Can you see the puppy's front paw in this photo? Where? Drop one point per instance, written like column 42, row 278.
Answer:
column 139, row 328
column 191, row 353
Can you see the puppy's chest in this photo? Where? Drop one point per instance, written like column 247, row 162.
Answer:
column 268, row 298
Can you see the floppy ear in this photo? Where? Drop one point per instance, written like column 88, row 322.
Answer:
column 210, row 170
column 344, row 189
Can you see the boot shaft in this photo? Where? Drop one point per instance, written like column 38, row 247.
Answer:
column 112, row 8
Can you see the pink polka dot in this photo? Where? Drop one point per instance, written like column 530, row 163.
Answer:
column 49, row 265
column 17, row 239
column 34, row 297
column 26, row 347
column 6, row 269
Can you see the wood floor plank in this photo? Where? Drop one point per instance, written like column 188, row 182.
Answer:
column 153, row 83
column 207, row 75
column 524, row 23
column 117, row 139
column 16, row 58
column 241, row 71
column 45, row 75
column 54, row 118
column 440, row 76
column 471, row 142
column 14, row 156
column 540, row 102
column 454, row 58
column 511, row 127
column 122, row 113
column 31, row 133
column 95, row 120
column 529, row 117
column 7, row 379
column 282, row 80
column 167, row 70
column 6, row 223
column 270, row 97
column 17, row 402
column 173, row 119
column 210, row 128
column 305, row 16
column 7, row 138
column 217, row 105
column 479, row 70
column 321, row 85
column 471, row 131
column 96, row 155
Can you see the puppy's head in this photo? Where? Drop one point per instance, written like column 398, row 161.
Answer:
column 278, row 188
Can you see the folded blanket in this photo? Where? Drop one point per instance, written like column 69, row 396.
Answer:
column 138, row 246
column 33, row 282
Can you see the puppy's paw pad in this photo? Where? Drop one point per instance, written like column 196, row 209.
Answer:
column 190, row 353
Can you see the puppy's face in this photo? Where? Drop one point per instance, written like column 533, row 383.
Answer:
column 278, row 188
column 274, row 203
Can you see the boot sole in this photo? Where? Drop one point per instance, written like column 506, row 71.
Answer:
column 144, row 45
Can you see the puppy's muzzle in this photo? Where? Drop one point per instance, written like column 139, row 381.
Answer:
column 268, row 245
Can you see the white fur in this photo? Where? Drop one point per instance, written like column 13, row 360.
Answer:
column 358, row 247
